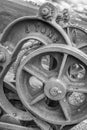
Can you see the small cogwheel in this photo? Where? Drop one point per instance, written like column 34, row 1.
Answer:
column 47, row 11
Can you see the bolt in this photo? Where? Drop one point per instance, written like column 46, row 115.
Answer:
column 2, row 57
column 55, row 91
column 59, row 92
column 45, row 11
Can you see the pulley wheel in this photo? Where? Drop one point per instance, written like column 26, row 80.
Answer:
column 51, row 82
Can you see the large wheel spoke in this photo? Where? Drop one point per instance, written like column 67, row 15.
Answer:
column 65, row 108
column 68, row 32
column 82, row 90
column 10, row 86
column 37, row 99
column 36, row 72
column 62, row 65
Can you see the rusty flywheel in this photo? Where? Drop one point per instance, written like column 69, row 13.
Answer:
column 51, row 83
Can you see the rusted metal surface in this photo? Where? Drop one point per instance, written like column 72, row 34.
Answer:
column 77, row 34
column 9, row 11
column 32, row 67
column 47, row 88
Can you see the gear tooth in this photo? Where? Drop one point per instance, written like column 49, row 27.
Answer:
column 17, row 62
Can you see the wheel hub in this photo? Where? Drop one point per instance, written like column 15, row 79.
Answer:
column 55, row 89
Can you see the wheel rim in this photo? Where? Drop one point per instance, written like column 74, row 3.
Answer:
column 39, row 97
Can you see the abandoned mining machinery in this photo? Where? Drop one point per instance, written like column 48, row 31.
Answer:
column 43, row 72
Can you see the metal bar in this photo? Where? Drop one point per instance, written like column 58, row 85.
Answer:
column 8, row 126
